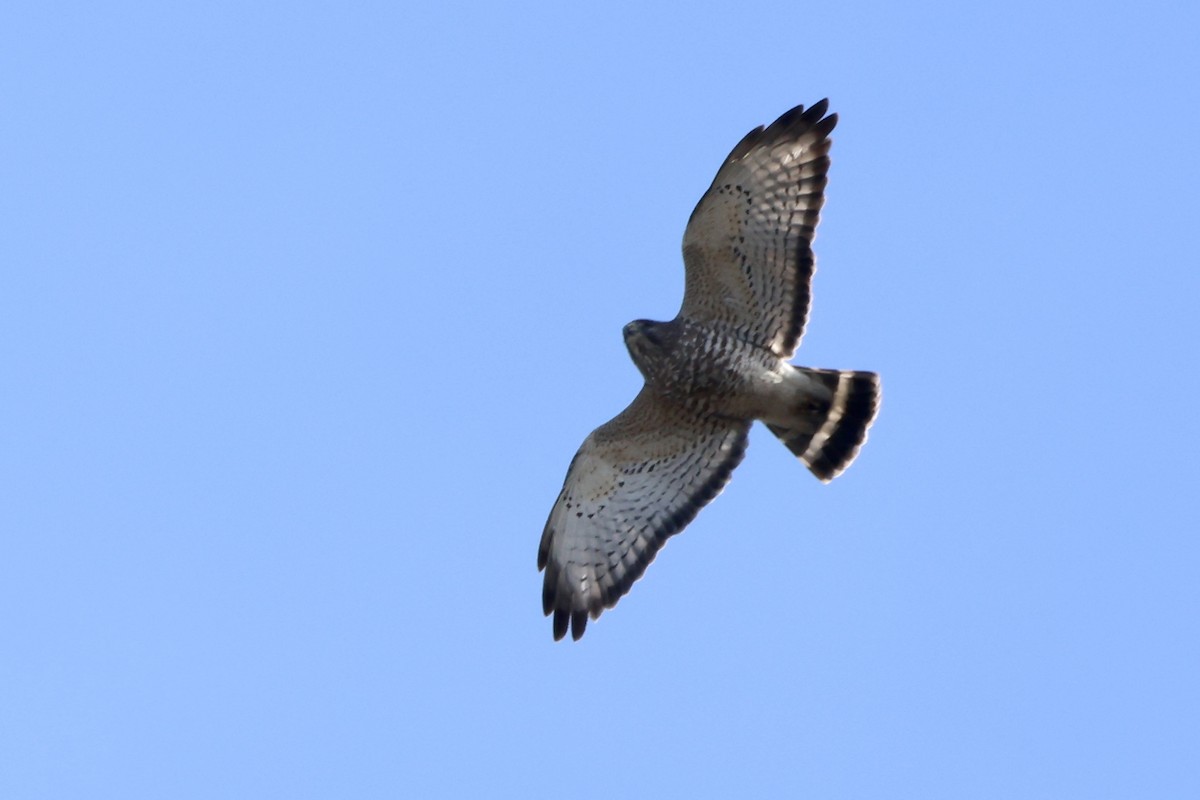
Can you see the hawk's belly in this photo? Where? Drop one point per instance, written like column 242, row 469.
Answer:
column 712, row 371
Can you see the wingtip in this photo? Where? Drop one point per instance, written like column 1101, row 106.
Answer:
column 561, row 620
column 547, row 597
column 578, row 625
column 819, row 119
column 564, row 620
column 789, row 123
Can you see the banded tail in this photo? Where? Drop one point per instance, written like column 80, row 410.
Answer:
column 831, row 428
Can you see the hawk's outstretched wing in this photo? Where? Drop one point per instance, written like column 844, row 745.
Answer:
column 748, row 244
column 637, row 479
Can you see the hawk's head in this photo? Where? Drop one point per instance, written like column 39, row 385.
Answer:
column 646, row 340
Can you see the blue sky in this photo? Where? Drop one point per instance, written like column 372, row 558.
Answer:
column 305, row 308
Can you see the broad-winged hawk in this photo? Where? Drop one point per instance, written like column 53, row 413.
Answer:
column 709, row 373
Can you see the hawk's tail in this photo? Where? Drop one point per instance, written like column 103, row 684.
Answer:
column 829, row 432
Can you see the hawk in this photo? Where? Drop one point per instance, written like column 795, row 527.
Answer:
column 709, row 373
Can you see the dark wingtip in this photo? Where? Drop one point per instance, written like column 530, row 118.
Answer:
column 814, row 118
column 792, row 122
column 575, row 621
column 578, row 624
column 817, row 110
column 745, row 145
column 547, row 596
column 561, row 620
column 826, row 126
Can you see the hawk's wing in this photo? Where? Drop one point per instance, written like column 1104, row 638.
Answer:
column 637, row 479
column 748, row 243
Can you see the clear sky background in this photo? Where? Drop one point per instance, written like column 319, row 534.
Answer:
column 305, row 308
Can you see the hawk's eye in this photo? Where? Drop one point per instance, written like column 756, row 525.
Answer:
column 651, row 334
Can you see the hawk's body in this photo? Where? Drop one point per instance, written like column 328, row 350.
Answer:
column 709, row 373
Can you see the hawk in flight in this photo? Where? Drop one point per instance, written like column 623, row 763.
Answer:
column 709, row 373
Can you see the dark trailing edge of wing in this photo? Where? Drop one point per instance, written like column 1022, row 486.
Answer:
column 576, row 619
